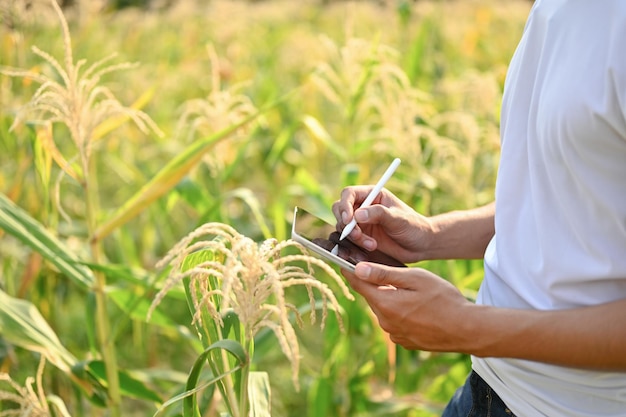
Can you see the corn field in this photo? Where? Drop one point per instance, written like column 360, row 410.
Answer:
column 150, row 160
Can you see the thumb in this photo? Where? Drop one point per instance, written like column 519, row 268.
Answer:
column 383, row 275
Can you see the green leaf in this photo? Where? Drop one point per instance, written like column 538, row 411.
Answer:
column 190, row 405
column 231, row 323
column 129, row 385
column 280, row 145
column 320, row 398
column 29, row 231
column 124, row 273
column 207, row 328
column 259, row 394
column 194, row 195
column 22, row 325
column 196, row 258
column 247, row 196
column 321, row 134
column 136, row 307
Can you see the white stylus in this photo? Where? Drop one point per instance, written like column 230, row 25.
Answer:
column 368, row 200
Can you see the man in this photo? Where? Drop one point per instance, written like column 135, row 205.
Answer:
column 548, row 332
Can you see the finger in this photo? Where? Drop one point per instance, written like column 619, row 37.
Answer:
column 344, row 207
column 355, row 282
column 389, row 218
column 376, row 297
column 347, row 202
column 374, row 214
column 379, row 298
column 337, row 210
column 364, row 288
column 351, row 198
column 383, row 275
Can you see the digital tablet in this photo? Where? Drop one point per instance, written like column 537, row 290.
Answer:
column 321, row 237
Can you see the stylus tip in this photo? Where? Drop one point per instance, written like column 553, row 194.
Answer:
column 335, row 250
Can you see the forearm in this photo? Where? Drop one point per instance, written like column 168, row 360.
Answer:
column 462, row 234
column 590, row 337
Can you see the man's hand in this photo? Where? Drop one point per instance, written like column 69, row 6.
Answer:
column 417, row 308
column 392, row 227
column 388, row 225
column 420, row 310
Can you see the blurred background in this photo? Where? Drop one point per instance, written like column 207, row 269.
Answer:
column 198, row 111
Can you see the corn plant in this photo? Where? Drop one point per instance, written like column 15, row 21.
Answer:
column 235, row 288
column 75, row 98
column 82, row 105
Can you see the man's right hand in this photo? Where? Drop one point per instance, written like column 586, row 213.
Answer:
column 389, row 225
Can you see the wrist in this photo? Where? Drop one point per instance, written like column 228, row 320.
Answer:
column 473, row 336
column 461, row 234
column 495, row 332
column 436, row 237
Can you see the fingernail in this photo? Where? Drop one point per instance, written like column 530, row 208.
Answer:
column 362, row 270
column 344, row 217
column 368, row 244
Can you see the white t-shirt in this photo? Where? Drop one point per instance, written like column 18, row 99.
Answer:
column 561, row 196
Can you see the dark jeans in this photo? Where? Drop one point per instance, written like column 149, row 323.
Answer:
column 476, row 399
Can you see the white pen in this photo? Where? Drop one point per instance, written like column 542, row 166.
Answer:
column 368, row 200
